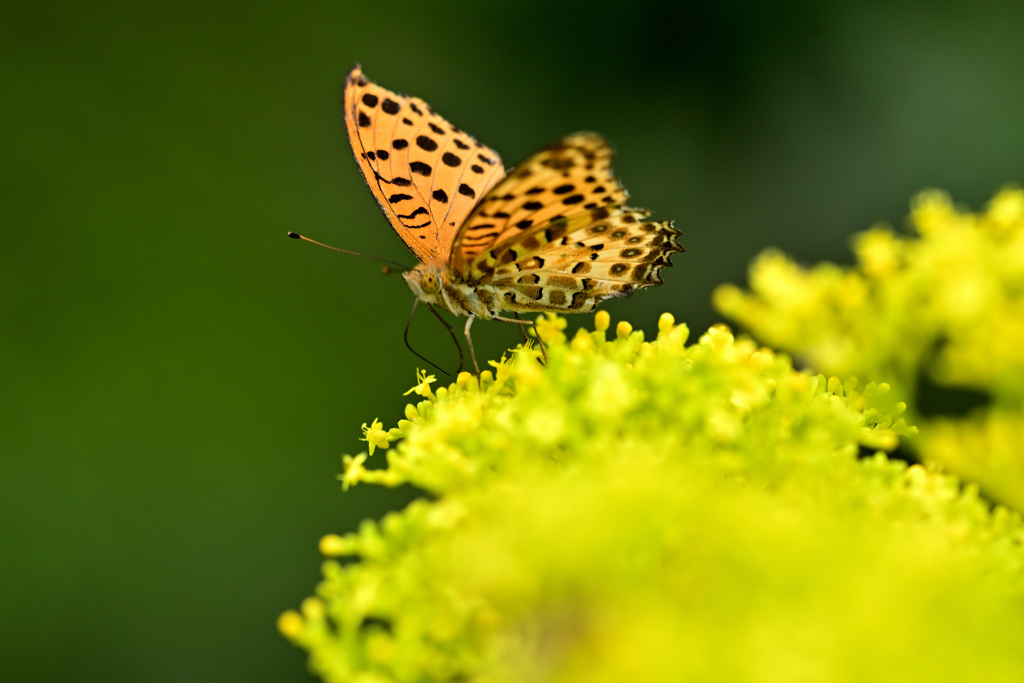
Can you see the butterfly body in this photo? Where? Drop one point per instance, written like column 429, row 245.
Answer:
column 436, row 286
column 552, row 234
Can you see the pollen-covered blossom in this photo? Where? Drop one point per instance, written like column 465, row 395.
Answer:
column 422, row 387
column 626, row 494
column 550, row 328
column 632, row 510
column 944, row 304
column 375, row 435
column 354, row 469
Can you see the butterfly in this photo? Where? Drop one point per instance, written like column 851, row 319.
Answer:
column 552, row 234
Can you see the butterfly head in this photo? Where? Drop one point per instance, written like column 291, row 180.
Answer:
column 424, row 281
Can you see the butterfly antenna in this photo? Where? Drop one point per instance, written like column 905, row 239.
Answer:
column 297, row 236
column 448, row 327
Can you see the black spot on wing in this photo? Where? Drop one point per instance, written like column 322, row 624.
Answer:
column 417, row 212
column 557, row 163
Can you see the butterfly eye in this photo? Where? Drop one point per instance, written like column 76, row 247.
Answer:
column 430, row 283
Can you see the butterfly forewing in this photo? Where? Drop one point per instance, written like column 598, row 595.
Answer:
column 425, row 173
column 566, row 179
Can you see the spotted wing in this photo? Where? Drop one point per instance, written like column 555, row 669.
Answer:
column 566, row 179
column 556, row 235
column 425, row 173
column 572, row 264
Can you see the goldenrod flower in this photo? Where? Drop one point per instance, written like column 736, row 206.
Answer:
column 946, row 304
column 375, row 435
column 422, row 387
column 634, row 510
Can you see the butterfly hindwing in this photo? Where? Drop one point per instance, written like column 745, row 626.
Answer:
column 555, row 234
column 573, row 264
column 425, row 173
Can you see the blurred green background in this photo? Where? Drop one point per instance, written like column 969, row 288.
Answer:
column 180, row 379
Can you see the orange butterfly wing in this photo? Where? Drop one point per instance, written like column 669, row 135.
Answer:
column 425, row 173
column 555, row 234
column 563, row 180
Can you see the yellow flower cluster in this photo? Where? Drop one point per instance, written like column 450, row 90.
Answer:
column 638, row 510
column 945, row 305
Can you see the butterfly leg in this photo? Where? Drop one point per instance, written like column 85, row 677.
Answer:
column 536, row 333
column 469, row 341
column 540, row 342
column 522, row 328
